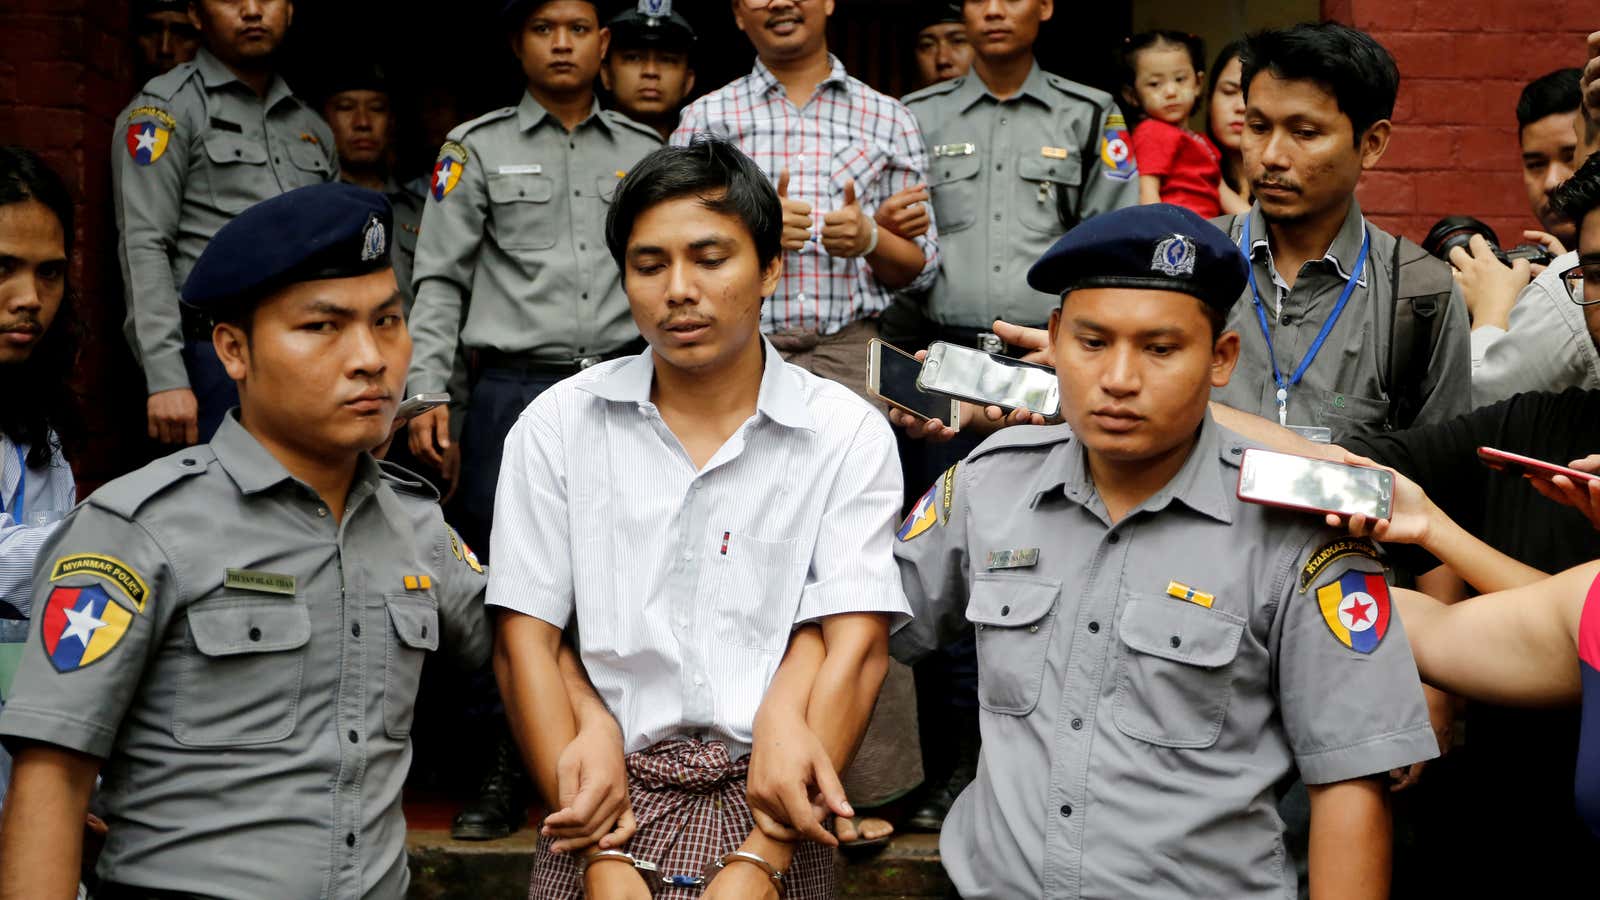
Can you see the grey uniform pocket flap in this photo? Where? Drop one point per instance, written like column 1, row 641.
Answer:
column 229, row 628
column 417, row 624
column 953, row 168
column 520, row 188
column 1180, row 631
column 1011, row 601
column 1034, row 167
column 309, row 156
column 224, row 148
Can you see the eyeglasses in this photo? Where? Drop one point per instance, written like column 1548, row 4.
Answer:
column 1577, row 277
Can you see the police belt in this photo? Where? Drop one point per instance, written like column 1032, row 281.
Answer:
column 490, row 358
column 975, row 337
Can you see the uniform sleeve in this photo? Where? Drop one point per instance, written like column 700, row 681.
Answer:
column 1155, row 147
column 931, row 549
column 1447, row 384
column 150, row 152
column 102, row 597
column 908, row 165
column 531, row 549
column 464, row 617
column 1112, row 181
column 1347, row 685
column 853, row 568
column 1541, row 350
column 447, row 258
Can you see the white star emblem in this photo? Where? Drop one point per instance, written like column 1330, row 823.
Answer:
column 444, row 175
column 82, row 624
column 147, row 139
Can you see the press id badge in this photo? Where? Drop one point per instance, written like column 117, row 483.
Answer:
column 1316, row 434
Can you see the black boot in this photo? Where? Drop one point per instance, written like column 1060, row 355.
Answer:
column 940, row 796
column 501, row 805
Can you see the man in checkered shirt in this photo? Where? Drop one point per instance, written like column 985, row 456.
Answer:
column 837, row 149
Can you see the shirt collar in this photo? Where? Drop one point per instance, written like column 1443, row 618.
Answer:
column 530, row 113
column 779, row 397
column 1198, row 484
column 1346, row 244
column 770, row 84
column 254, row 469
column 214, row 74
column 1037, row 86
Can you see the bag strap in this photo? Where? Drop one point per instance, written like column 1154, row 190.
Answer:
column 1420, row 285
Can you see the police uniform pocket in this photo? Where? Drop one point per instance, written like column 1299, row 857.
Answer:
column 236, row 173
column 953, row 185
column 1175, row 680
column 413, row 633
column 1043, row 180
column 1013, row 616
column 242, row 671
column 522, row 212
column 310, row 163
column 605, row 186
column 757, row 589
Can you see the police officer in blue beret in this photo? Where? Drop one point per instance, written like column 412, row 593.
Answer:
column 648, row 70
column 231, row 637
column 1155, row 657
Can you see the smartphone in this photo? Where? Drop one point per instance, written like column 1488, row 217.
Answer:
column 1315, row 485
column 990, row 379
column 420, row 404
column 1500, row 460
column 892, row 378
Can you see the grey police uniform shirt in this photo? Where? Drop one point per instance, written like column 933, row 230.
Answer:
column 1132, row 735
column 1546, row 346
column 407, row 206
column 1347, row 388
column 195, row 148
column 996, row 168
column 513, row 240
column 247, row 668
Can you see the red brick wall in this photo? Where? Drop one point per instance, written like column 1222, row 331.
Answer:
column 1462, row 66
column 65, row 73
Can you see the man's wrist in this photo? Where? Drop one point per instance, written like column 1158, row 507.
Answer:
column 872, row 242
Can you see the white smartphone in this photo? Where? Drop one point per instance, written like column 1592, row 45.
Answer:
column 1315, row 485
column 420, row 404
column 990, row 379
column 892, row 378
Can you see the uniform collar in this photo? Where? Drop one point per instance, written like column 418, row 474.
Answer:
column 1198, row 484
column 214, row 74
column 1345, row 248
column 779, row 397
column 1036, row 85
column 254, row 469
column 770, row 83
column 530, row 113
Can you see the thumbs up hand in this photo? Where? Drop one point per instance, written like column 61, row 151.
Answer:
column 796, row 216
column 847, row 231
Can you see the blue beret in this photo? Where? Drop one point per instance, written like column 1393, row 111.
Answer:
column 332, row 230
column 651, row 23
column 1158, row 247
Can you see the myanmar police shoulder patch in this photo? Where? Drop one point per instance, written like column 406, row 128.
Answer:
column 1356, row 608
column 447, row 169
column 933, row 508
column 80, row 625
column 1116, row 150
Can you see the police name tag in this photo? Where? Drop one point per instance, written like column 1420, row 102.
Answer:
column 1014, row 559
column 260, row 582
column 955, row 150
column 533, row 169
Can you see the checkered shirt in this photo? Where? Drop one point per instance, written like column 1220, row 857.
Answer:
column 845, row 131
column 689, row 800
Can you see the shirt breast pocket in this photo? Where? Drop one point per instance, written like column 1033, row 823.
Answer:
column 1176, row 677
column 236, row 172
column 310, row 164
column 1043, row 182
column 413, row 633
column 756, row 590
column 953, row 185
column 242, row 671
column 1014, row 617
column 522, row 211
column 1345, row 414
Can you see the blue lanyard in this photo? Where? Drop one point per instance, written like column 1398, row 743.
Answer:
column 1327, row 327
column 18, row 503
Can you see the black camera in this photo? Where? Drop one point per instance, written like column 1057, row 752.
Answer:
column 1456, row 231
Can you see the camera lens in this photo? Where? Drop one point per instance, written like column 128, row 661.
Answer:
column 1451, row 232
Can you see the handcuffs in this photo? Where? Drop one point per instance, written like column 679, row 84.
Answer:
column 655, row 880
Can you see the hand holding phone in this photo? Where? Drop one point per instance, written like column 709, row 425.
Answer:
column 419, row 404
column 892, row 377
column 990, row 379
column 1315, row 485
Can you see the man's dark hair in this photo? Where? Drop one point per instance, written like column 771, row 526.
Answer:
column 1549, row 95
column 712, row 169
column 1347, row 63
column 1579, row 195
column 38, row 397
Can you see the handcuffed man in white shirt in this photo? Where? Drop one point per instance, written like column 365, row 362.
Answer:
column 715, row 527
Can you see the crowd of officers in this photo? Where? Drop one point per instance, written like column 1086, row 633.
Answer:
column 913, row 220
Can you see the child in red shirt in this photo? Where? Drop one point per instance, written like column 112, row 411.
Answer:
column 1176, row 165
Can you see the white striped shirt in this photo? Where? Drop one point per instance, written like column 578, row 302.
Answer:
column 685, row 584
column 50, row 494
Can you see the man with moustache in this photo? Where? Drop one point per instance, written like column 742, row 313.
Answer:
column 196, row 147
column 232, row 636
column 648, row 70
